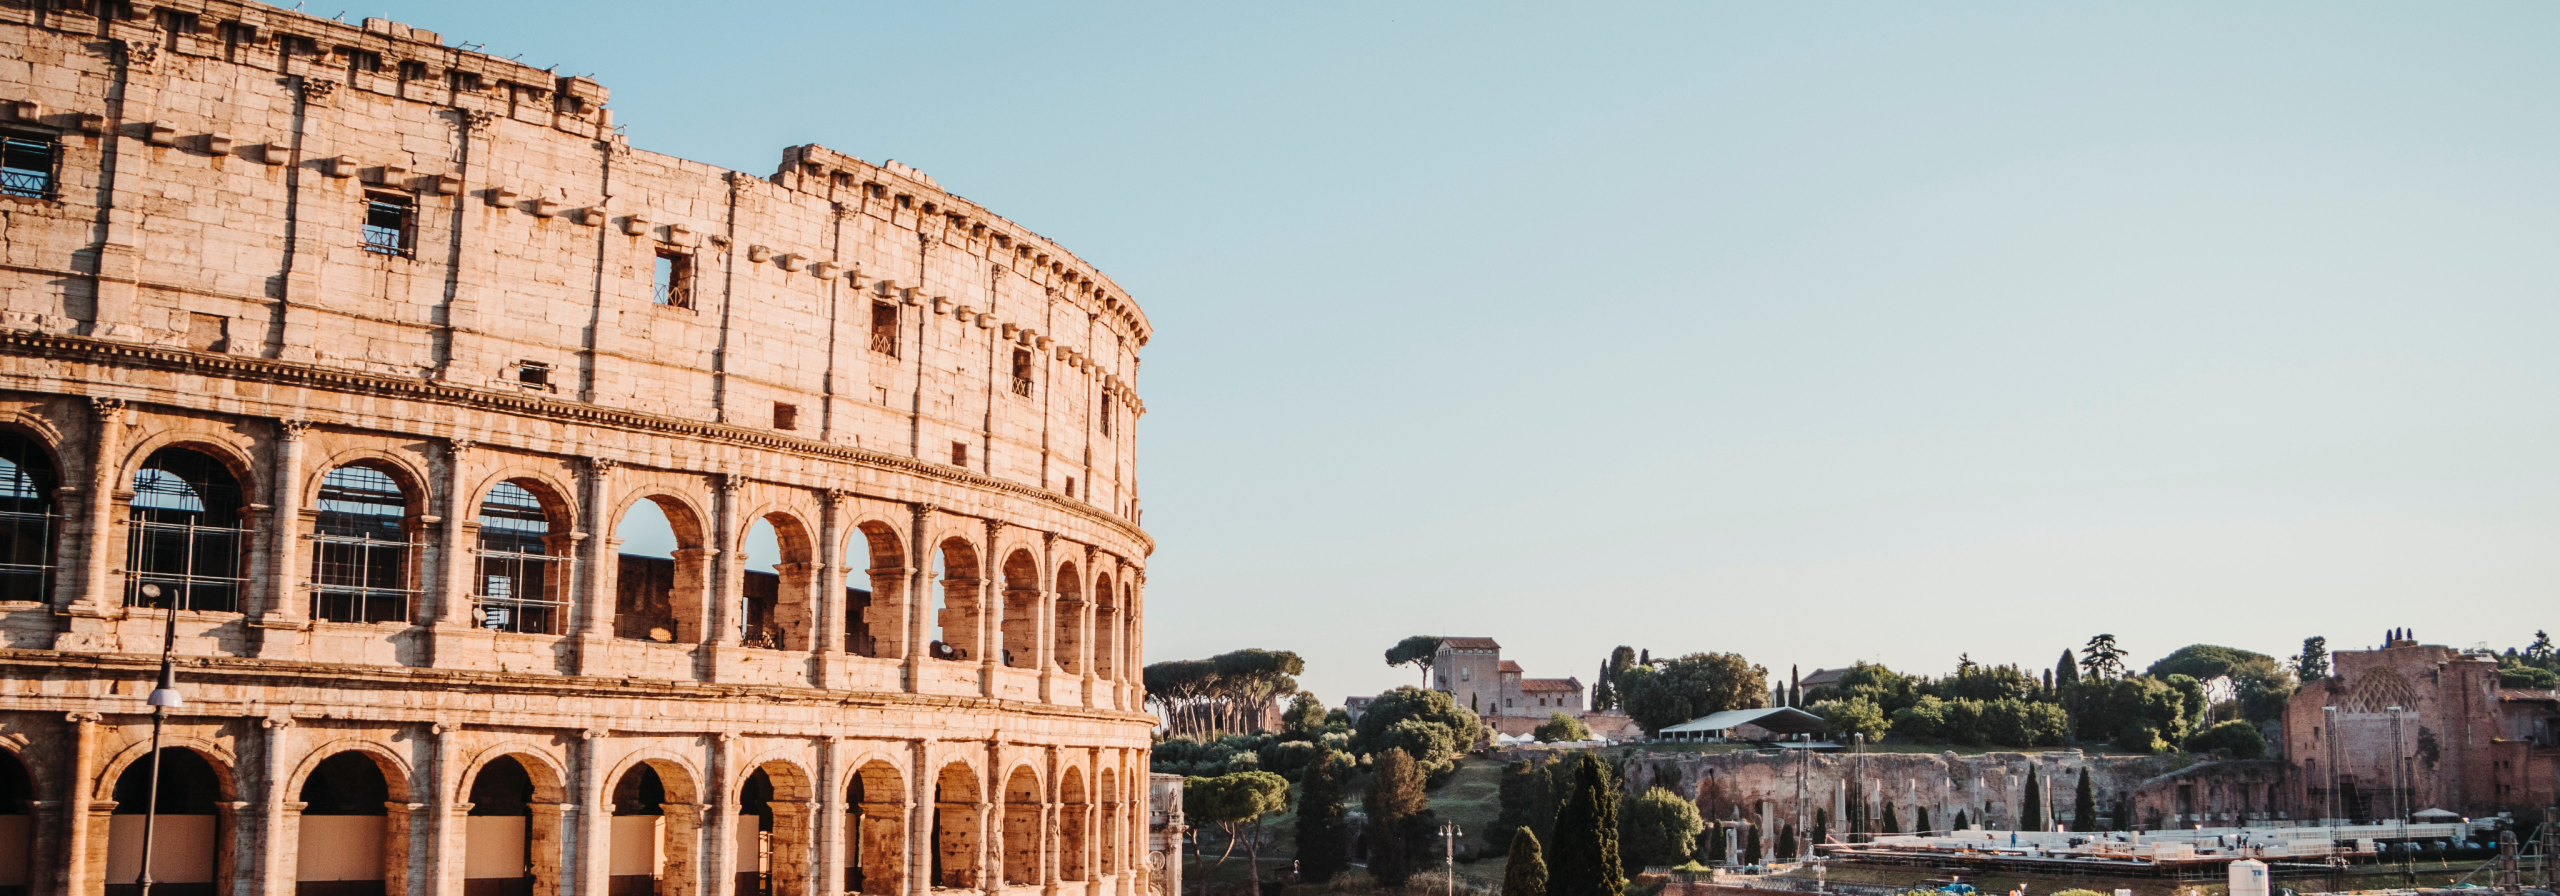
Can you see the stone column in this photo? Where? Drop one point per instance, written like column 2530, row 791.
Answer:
column 719, row 801
column 284, row 606
column 828, row 608
column 827, row 835
column 723, row 593
column 282, row 816
column 448, row 811
column 1044, row 618
column 921, row 820
column 1085, row 623
column 1052, row 805
column 85, row 594
column 919, row 600
column 990, row 612
column 592, row 613
column 71, row 873
column 594, row 863
column 454, row 639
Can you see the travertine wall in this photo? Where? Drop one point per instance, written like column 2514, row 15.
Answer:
column 2413, row 726
column 920, row 397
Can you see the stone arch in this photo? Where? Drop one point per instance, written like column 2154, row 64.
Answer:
column 664, row 599
column 1023, row 807
column 17, row 805
column 512, row 839
column 876, row 620
column 957, row 616
column 958, row 834
column 1066, row 621
column 195, row 816
column 1073, row 825
column 875, row 858
column 1021, row 623
column 777, row 611
column 523, row 530
column 775, row 827
column 31, row 476
column 362, row 793
column 367, row 515
column 1108, row 785
column 190, row 530
column 656, row 825
column 1106, row 629
column 404, row 469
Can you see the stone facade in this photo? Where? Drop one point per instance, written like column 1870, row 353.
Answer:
column 1472, row 671
column 2415, row 726
column 354, row 349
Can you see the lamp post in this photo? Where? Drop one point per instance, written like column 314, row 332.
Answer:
column 163, row 698
column 1449, row 834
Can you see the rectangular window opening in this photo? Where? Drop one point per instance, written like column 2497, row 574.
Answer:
column 1106, row 413
column 386, row 224
column 671, row 280
column 533, row 373
column 1021, row 372
column 1071, row 486
column 786, row 416
column 884, row 328
column 27, row 165
column 959, row 454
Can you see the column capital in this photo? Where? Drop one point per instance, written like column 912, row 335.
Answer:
column 455, row 447
column 290, row 429
column 106, row 408
column 601, row 465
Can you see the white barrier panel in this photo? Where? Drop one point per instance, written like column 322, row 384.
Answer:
column 494, row 847
column 340, row 847
column 181, row 849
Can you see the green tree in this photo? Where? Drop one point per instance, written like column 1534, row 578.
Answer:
column 2259, row 684
column 2031, row 815
column 1526, row 873
column 2237, row 739
column 1604, row 691
column 1821, row 829
column 1395, row 800
column 1530, row 792
column 1658, row 828
column 1786, row 842
column 1560, row 727
column 1751, row 844
column 2312, row 664
column 1892, row 824
column 1920, row 820
column 1305, row 719
column 1676, row 691
column 2084, row 805
column 1856, row 715
column 1586, row 842
column 2101, row 659
column 1960, row 823
column 1324, row 828
column 1235, row 804
column 2066, row 672
column 1416, row 651
column 1429, row 726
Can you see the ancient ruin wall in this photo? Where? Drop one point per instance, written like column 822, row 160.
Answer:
column 1759, row 787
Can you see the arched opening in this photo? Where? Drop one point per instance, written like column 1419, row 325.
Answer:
column 1106, row 630
column 17, row 825
column 1067, row 620
column 1072, row 826
column 955, row 828
column 187, row 535
column 772, row 856
column 652, row 832
column 523, row 557
column 1021, row 611
column 186, row 827
column 498, row 837
column 1109, row 855
column 875, row 857
column 349, row 842
column 956, row 619
column 361, row 550
column 875, row 620
column 1022, row 827
column 662, row 573
column 27, row 524
column 779, row 572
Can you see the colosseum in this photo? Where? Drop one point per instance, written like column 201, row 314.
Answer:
column 343, row 366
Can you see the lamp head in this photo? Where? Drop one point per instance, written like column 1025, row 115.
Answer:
column 166, row 695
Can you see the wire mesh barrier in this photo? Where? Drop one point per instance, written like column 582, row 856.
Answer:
column 196, row 567
column 517, row 590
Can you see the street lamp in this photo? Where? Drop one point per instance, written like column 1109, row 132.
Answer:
column 163, row 698
column 1449, row 834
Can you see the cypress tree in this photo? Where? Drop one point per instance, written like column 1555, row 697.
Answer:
column 1892, row 825
column 2067, row 672
column 1324, row 834
column 1920, row 821
column 1821, row 827
column 1586, row 853
column 1960, row 823
column 2031, row 816
column 2084, row 805
column 1395, row 798
column 1786, row 842
column 1715, row 842
column 1750, row 844
column 1526, row 873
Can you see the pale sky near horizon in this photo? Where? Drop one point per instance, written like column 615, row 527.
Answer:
column 1816, row 332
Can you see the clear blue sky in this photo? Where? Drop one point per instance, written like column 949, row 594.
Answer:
column 1816, row 332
